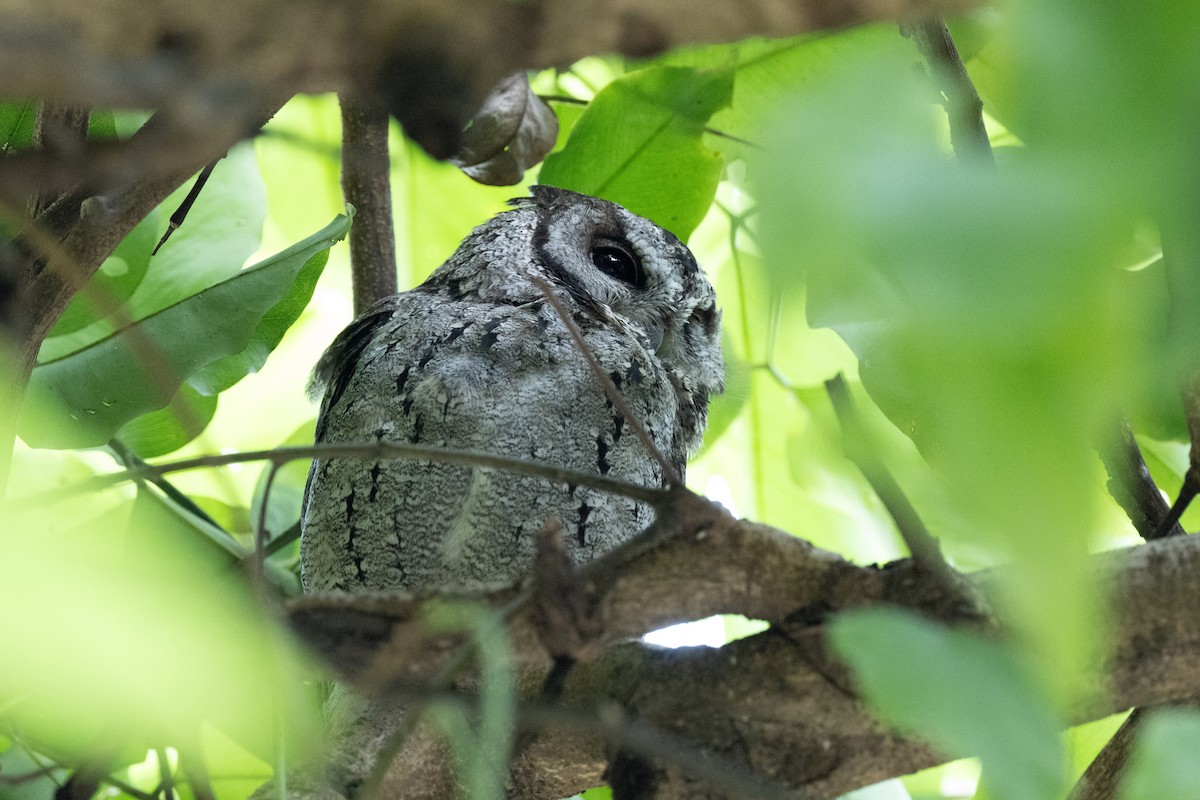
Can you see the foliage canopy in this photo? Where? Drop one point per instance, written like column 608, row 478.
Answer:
column 993, row 321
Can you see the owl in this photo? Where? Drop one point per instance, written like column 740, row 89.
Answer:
column 475, row 358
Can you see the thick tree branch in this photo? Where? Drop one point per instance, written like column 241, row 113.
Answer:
column 775, row 702
column 435, row 60
column 366, row 184
column 58, row 130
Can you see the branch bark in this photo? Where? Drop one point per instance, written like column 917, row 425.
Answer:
column 440, row 57
column 968, row 136
column 774, row 702
column 366, row 184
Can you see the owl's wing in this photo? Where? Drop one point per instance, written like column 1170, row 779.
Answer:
column 337, row 364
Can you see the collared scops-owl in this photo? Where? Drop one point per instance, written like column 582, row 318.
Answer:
column 476, row 359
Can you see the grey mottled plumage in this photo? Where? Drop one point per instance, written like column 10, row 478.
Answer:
column 475, row 358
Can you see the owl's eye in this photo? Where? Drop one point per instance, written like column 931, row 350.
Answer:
column 619, row 264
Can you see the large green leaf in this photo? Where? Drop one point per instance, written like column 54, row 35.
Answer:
column 221, row 231
column 220, row 375
column 16, row 125
column 84, row 397
column 116, row 280
column 171, row 427
column 767, row 71
column 638, row 144
column 1163, row 763
column 966, row 694
column 160, row 658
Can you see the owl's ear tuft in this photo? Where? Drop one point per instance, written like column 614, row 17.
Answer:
column 544, row 197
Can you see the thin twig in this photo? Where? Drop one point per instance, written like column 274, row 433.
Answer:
column 1102, row 778
column 1187, row 493
column 181, row 213
column 131, row 460
column 191, row 761
column 610, row 389
column 26, row 777
column 167, row 784
column 283, row 540
column 366, row 185
column 926, row 551
column 1130, row 484
column 258, row 563
column 281, row 781
column 968, row 135
column 375, row 450
column 1191, row 480
column 132, row 791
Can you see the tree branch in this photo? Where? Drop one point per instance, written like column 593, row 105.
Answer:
column 925, row 549
column 226, row 50
column 1130, row 484
column 774, row 701
column 968, row 136
column 372, row 451
column 366, row 184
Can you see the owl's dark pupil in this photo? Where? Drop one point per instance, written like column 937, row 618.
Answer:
column 616, row 263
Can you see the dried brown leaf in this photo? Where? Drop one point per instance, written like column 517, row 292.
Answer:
column 513, row 131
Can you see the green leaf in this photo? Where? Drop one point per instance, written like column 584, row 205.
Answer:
column 638, row 144
column 102, row 124
column 42, row 783
column 222, row 230
column 767, row 71
column 1163, row 763
column 966, row 694
column 86, row 396
column 16, row 125
column 219, row 376
column 116, row 280
column 173, row 634
column 233, row 518
column 170, row 428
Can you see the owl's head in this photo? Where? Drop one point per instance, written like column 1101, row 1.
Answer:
column 633, row 274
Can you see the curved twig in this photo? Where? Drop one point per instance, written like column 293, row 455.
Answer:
column 379, row 450
column 610, row 389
